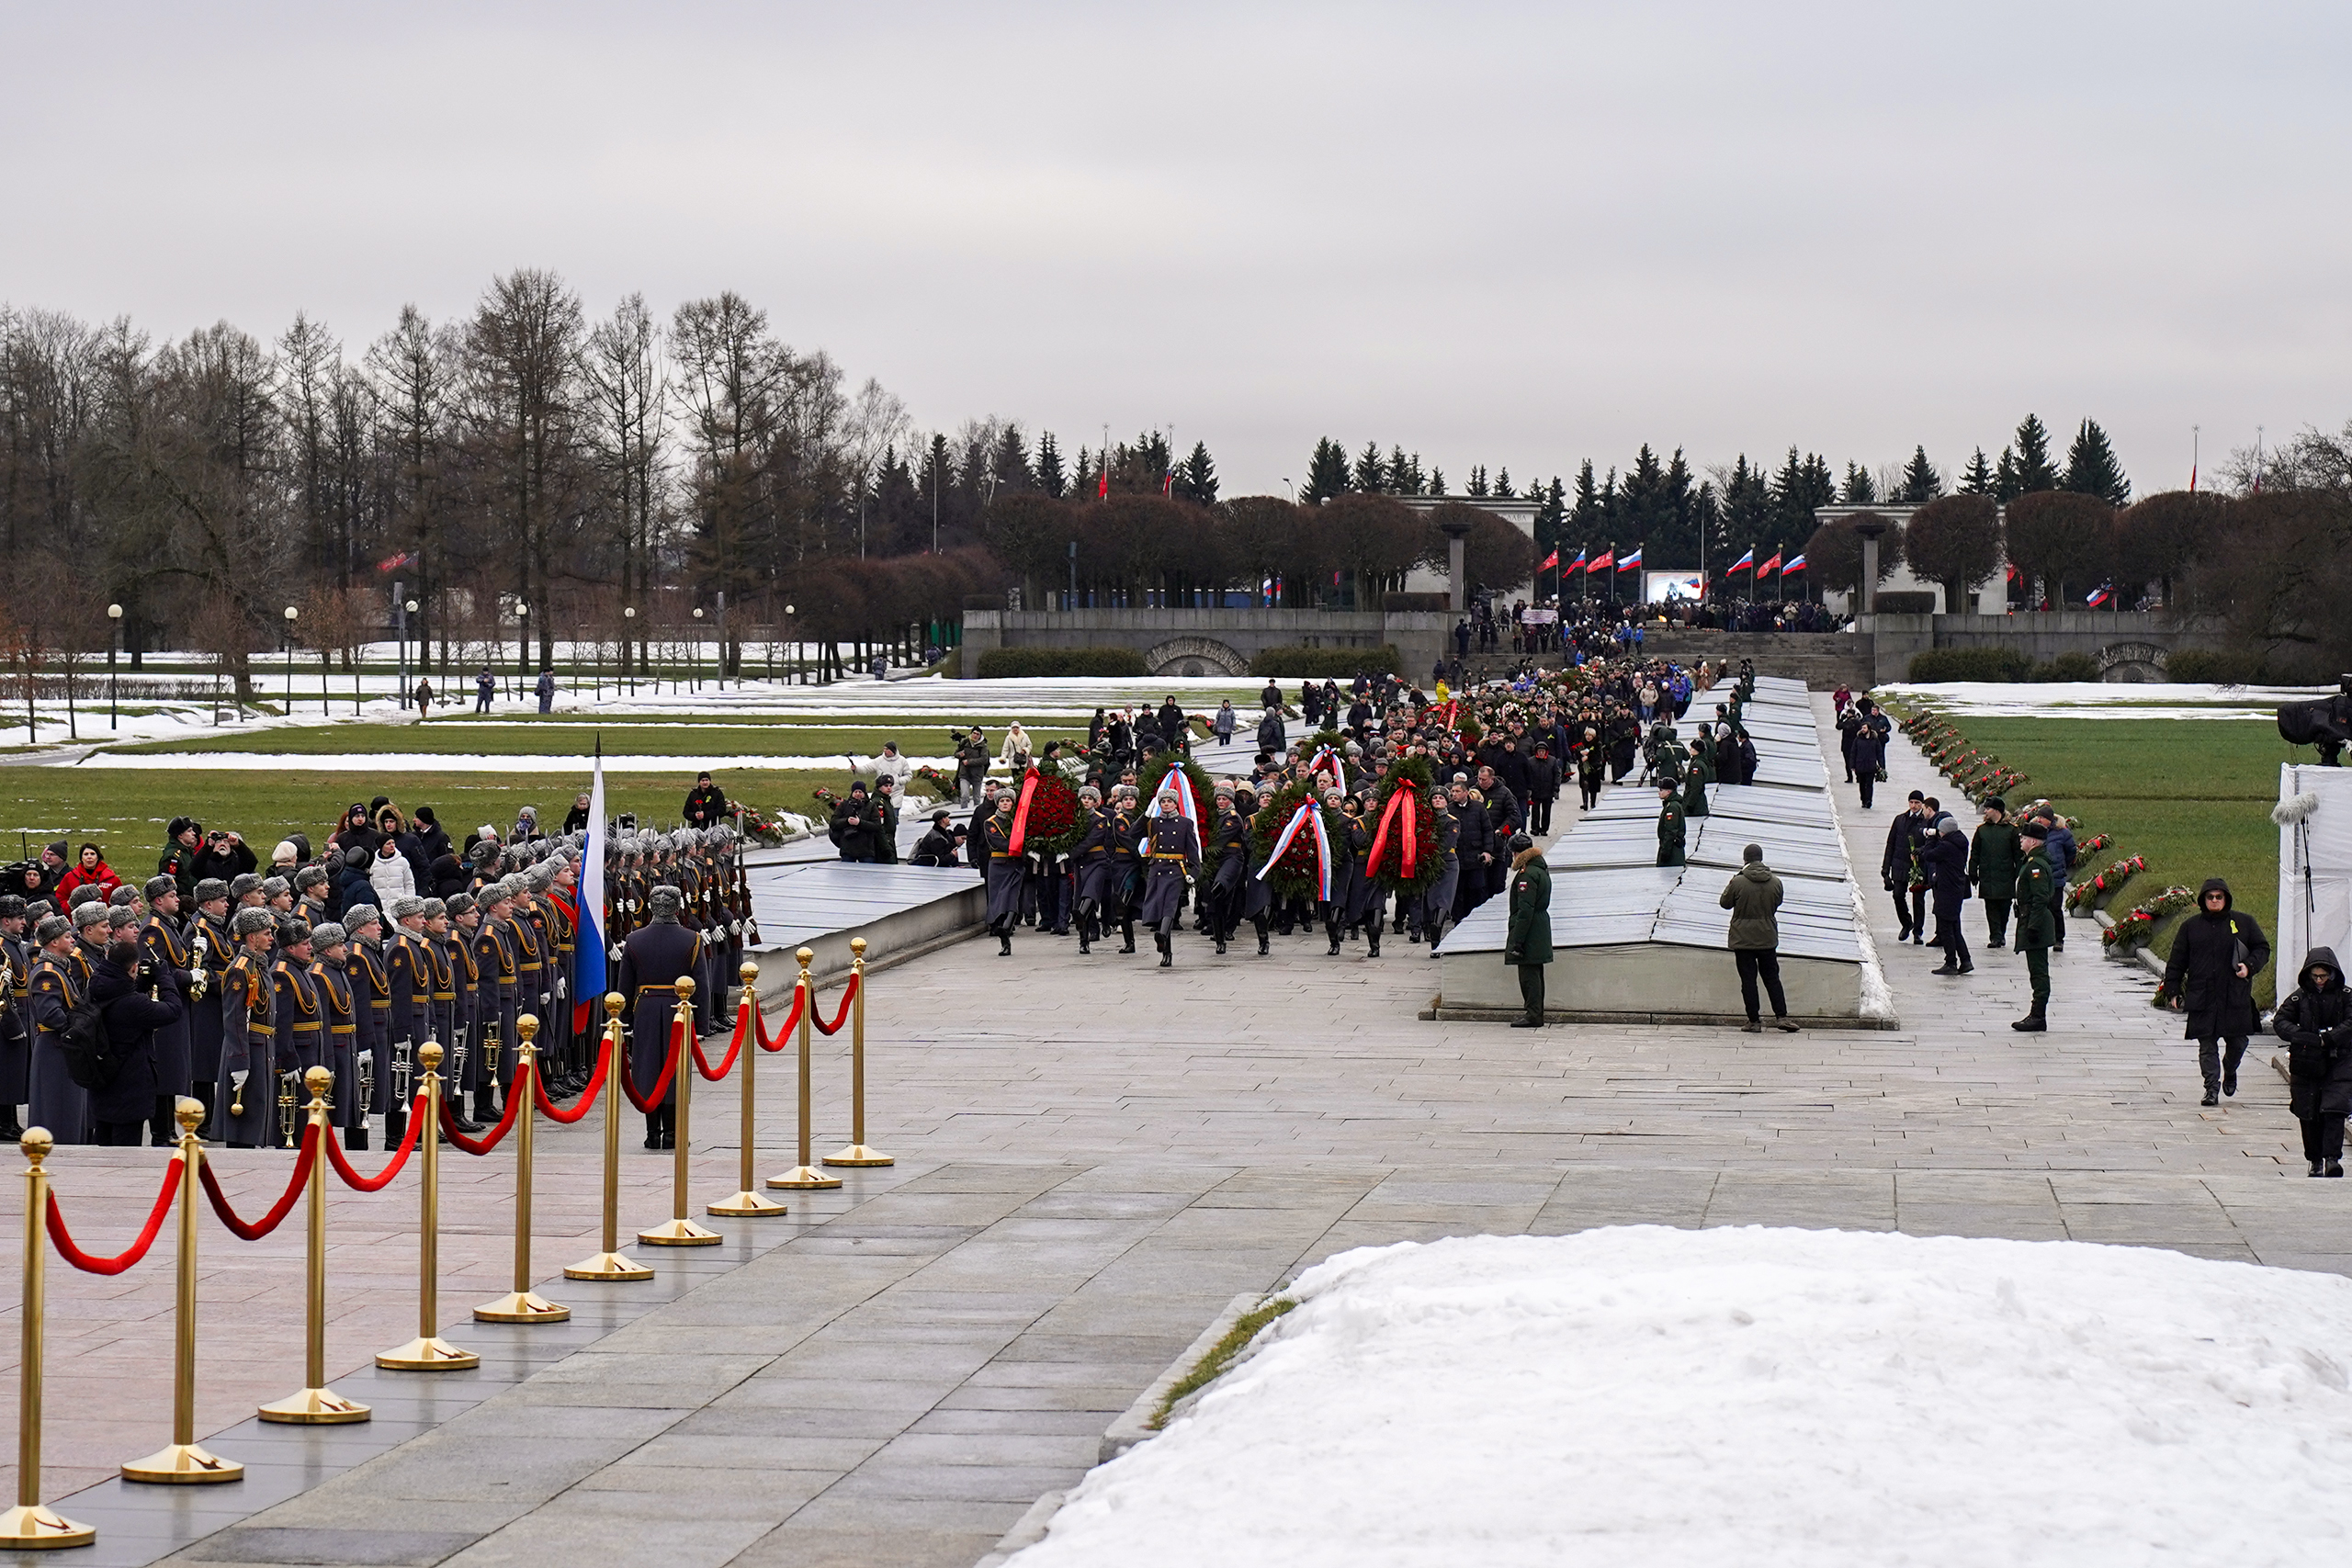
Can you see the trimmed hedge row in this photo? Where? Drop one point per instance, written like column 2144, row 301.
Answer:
column 1006, row 663
column 2003, row 664
column 1326, row 663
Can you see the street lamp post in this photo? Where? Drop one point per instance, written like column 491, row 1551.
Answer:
column 400, row 607
column 693, row 657
column 629, row 662
column 291, row 616
column 722, row 639
column 522, row 646
column 114, row 645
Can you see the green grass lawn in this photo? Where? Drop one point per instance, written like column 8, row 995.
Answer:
column 919, row 737
column 2194, row 796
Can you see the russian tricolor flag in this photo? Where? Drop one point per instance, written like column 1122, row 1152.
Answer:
column 1630, row 562
column 1796, row 564
column 1742, row 563
column 588, row 945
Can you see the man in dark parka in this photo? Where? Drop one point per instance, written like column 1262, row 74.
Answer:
column 1527, row 943
column 2216, row 954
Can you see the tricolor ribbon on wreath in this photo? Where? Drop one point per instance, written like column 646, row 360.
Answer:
column 1021, row 812
column 1307, row 816
column 1188, row 804
column 1327, row 760
column 1400, row 803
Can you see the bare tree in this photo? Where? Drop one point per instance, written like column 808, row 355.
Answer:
column 522, row 355
column 415, row 371
column 626, row 426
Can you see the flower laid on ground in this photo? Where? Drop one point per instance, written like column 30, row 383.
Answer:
column 826, row 798
column 942, row 786
column 2107, row 881
column 2097, row 842
column 760, row 828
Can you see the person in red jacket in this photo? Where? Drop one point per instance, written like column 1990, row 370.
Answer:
column 90, row 871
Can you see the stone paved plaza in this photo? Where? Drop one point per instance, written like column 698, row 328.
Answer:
column 1096, row 1156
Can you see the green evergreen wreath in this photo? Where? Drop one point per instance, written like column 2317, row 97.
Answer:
column 1294, row 875
column 1425, row 858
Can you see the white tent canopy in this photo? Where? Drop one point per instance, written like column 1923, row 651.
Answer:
column 2314, row 818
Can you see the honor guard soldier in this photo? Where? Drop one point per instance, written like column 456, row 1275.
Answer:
column 52, row 1099
column 16, row 1012
column 1174, row 854
column 494, row 952
column 1230, row 835
column 370, row 965
column 1091, row 861
column 464, row 976
column 1004, row 875
column 165, row 944
column 302, row 1033
column 212, row 948
column 408, row 968
column 246, row 1095
column 653, row 958
column 330, row 955
column 440, row 1021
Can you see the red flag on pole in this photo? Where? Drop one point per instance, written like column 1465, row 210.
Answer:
column 1550, row 561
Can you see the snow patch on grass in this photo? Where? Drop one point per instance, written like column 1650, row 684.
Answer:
column 1640, row 1395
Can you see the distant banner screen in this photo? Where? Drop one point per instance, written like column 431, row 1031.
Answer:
column 1660, row 586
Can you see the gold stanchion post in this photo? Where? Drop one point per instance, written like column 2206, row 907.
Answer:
column 29, row 1527
column 183, row 1463
column 857, row 1154
column 747, row 1203
column 316, row 1405
column 805, row 1177
column 610, row 1264
column 522, row 1305
column 428, row 1352
column 678, row 1229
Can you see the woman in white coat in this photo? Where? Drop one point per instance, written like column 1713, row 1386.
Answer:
column 390, row 875
column 1014, row 753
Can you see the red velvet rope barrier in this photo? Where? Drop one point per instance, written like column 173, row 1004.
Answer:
column 702, row 1063
column 587, row 1098
column 285, row 1206
column 783, row 1036
column 383, row 1179
column 849, row 994
column 662, row 1084
column 54, row 1219
column 496, row 1135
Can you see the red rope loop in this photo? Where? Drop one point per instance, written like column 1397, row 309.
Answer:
column 742, row 1028
column 587, row 1099
column 669, row 1065
column 54, row 1219
column 494, row 1137
column 285, row 1205
column 783, row 1036
column 849, row 994
column 383, row 1179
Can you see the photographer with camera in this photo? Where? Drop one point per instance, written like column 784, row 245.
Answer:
column 222, row 855
column 136, row 998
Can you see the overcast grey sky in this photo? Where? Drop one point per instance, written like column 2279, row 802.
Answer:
column 1516, row 234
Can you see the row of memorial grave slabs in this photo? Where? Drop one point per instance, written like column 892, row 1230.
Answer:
column 1638, row 941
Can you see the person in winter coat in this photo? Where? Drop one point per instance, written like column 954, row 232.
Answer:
column 2216, row 954
column 1866, row 747
column 1223, row 722
column 390, row 874
column 1993, row 857
column 1672, row 835
column 937, row 847
column 1903, row 837
column 1944, row 854
column 855, row 828
column 432, row 838
column 353, row 884
column 2059, row 846
column 1527, row 940
column 1753, row 896
column 2316, row 1023
column 124, row 1107
column 90, row 869
column 446, row 877
column 1017, row 751
column 1270, row 732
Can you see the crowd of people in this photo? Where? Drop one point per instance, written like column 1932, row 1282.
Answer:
column 222, row 980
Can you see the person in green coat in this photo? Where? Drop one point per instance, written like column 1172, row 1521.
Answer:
column 1671, row 834
column 2037, row 924
column 1527, row 945
column 1694, row 786
column 1992, row 859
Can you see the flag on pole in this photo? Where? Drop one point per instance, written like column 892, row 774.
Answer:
column 1103, row 484
column 588, row 945
column 1796, row 564
column 1550, row 561
column 1600, row 562
column 2100, row 594
column 1742, row 563
column 1630, row 562
column 1769, row 567
column 1577, row 564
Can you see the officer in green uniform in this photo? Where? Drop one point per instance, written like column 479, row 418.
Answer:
column 1694, row 785
column 1670, row 831
column 2037, row 927
column 1527, row 945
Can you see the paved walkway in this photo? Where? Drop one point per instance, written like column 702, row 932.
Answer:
column 1098, row 1154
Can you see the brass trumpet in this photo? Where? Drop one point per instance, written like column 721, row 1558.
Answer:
column 289, row 1105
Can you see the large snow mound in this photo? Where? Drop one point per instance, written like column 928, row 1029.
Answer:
column 1642, row 1395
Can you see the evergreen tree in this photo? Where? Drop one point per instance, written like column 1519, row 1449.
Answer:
column 1371, row 474
column 1859, row 489
column 1436, row 481
column 1404, row 473
column 1050, row 478
column 2025, row 464
column 1706, row 524
column 1551, row 512
column 1977, row 477
column 1478, row 481
column 1584, row 512
column 1921, row 483
column 1800, row 487
column 1327, row 472
column 1081, row 477
column 2091, row 468
column 1502, row 486
column 1196, row 479
column 1745, row 509
column 1009, row 463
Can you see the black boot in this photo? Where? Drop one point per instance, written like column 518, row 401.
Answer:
column 395, row 1128
column 356, row 1138
column 653, row 1128
column 2319, row 1168
column 1004, row 944
column 1262, row 949
column 2034, row 1023
column 1082, row 944
column 1127, row 928
column 2335, row 1167
column 1372, row 936
column 2213, row 1093
column 1167, row 949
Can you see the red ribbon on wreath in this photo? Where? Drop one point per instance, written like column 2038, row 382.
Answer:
column 1400, row 800
column 1021, row 812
